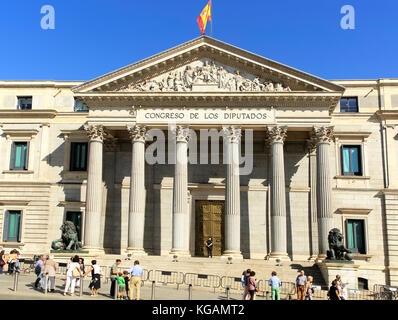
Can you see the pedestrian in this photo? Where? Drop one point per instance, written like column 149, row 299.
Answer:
column 121, row 294
column 334, row 291
column 50, row 268
column 275, row 284
column 301, row 280
column 251, row 284
column 136, row 273
column 72, row 274
column 81, row 263
column 344, row 291
column 309, row 290
column 338, row 280
column 3, row 260
column 114, row 272
column 12, row 260
column 209, row 246
column 95, row 283
column 39, row 270
column 126, row 281
column 244, row 279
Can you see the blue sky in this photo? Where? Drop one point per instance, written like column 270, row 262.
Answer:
column 94, row 37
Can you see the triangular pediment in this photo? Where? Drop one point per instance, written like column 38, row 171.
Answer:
column 207, row 65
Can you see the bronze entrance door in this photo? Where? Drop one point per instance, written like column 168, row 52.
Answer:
column 209, row 223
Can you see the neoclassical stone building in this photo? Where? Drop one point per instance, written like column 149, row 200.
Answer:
column 146, row 159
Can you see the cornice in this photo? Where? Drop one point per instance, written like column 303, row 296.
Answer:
column 353, row 211
column 28, row 114
column 387, row 114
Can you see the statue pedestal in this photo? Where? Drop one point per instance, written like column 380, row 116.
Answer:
column 347, row 270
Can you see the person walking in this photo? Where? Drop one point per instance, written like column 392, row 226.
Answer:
column 334, row 292
column 50, row 268
column 81, row 263
column 344, row 291
column 251, row 284
column 39, row 270
column 3, row 260
column 12, row 261
column 72, row 274
column 136, row 273
column 244, row 279
column 275, row 284
column 308, row 288
column 301, row 280
column 95, row 283
column 114, row 273
column 209, row 246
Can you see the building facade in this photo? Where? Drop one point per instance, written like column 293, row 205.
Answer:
column 202, row 140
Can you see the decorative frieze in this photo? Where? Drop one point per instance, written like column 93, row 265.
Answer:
column 207, row 73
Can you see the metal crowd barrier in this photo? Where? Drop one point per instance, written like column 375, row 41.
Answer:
column 202, row 280
column 234, row 283
column 166, row 277
column 383, row 292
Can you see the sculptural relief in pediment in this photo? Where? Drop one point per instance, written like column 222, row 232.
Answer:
column 205, row 76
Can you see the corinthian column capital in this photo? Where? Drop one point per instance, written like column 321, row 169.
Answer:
column 181, row 133
column 95, row 132
column 232, row 134
column 137, row 133
column 323, row 134
column 276, row 134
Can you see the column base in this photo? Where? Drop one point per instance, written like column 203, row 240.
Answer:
column 136, row 252
column 94, row 252
column 320, row 258
column 235, row 255
column 180, row 253
column 282, row 256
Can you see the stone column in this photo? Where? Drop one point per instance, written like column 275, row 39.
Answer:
column 323, row 137
column 180, row 192
column 311, row 147
column 232, row 136
column 92, row 222
column 137, row 191
column 276, row 137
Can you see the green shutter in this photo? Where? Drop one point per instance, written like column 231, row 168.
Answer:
column 12, row 160
column 12, row 225
column 5, row 227
column 350, row 235
column 359, row 236
column 26, row 156
column 346, row 159
column 83, row 156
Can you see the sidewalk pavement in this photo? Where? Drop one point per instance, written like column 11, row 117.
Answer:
column 26, row 291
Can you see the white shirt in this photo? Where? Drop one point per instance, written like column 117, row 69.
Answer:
column 72, row 266
column 344, row 293
column 97, row 269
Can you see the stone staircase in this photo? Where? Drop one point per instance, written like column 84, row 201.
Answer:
column 287, row 272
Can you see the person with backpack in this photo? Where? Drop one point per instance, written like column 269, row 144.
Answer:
column 38, row 270
column 72, row 274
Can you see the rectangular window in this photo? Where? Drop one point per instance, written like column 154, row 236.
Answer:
column 349, row 105
column 80, row 106
column 76, row 218
column 355, row 233
column 24, row 103
column 351, row 160
column 78, row 156
column 12, row 226
column 19, row 156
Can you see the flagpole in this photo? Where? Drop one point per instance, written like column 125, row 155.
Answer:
column 211, row 21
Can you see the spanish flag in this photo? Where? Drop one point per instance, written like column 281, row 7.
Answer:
column 204, row 17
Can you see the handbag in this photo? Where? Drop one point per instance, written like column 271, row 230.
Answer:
column 75, row 273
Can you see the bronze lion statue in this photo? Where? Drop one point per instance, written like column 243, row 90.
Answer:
column 337, row 249
column 69, row 239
